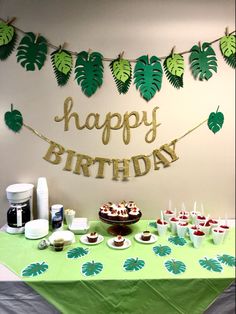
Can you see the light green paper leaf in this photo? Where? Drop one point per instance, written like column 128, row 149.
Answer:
column 34, row 269
column 121, row 70
column 13, row 119
column 177, row 241
column 228, row 45
column 215, row 121
column 175, row 64
column 63, row 61
column 133, row 264
column 162, row 250
column 92, row 268
column 6, row 33
column 77, row 252
column 227, row 260
column 175, row 267
column 6, row 50
column 211, row 264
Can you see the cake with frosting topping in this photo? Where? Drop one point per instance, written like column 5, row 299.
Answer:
column 92, row 237
column 119, row 241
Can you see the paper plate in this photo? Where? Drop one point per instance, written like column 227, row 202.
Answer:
column 84, row 240
column 126, row 244
column 139, row 239
column 67, row 236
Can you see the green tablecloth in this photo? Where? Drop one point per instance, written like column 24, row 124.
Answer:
column 154, row 288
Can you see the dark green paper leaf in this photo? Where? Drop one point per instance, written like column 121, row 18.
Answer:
column 13, row 120
column 133, row 264
column 92, row 268
column 161, row 250
column 77, row 252
column 6, row 33
column 153, row 224
column 6, row 50
column 175, row 267
column 63, row 63
column 211, row 264
column 215, row 121
column 227, row 260
column 177, row 241
column 231, row 60
column 34, row 269
column 32, row 52
column 148, row 76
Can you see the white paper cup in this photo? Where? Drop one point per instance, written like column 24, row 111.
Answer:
column 200, row 220
column 193, row 216
column 184, row 213
column 168, row 216
column 181, row 230
column 226, row 229
column 173, row 226
column 162, row 228
column 69, row 216
column 218, row 235
column 191, row 231
column 197, row 240
column 183, row 218
column 206, row 229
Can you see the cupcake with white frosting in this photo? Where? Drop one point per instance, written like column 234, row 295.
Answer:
column 119, row 241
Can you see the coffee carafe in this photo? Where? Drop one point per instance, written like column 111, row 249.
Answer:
column 20, row 210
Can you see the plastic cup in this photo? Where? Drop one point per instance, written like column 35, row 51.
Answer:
column 162, row 227
column 168, row 214
column 182, row 228
column 198, row 237
column 173, row 224
column 218, row 235
column 69, row 216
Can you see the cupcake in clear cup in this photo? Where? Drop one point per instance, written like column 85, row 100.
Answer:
column 173, row 224
column 226, row 228
column 182, row 228
column 162, row 227
column 198, row 237
column 218, row 235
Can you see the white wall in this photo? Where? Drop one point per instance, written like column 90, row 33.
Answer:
column 205, row 169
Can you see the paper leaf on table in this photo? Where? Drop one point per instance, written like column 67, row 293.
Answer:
column 122, row 72
column 174, row 69
column 203, row 61
column 77, row 252
column 175, row 267
column 162, row 250
column 62, row 65
column 89, row 71
column 32, row 51
column 177, row 241
column 227, row 260
column 6, row 33
column 133, row 264
column 13, row 119
column 148, row 76
column 153, row 224
column 215, row 121
column 34, row 269
column 91, row 268
column 7, row 49
column 211, row 264
column 228, row 49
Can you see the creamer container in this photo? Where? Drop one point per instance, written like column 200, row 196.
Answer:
column 57, row 217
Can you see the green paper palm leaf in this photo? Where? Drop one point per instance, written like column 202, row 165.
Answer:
column 6, row 50
column 62, row 65
column 175, row 267
column 32, row 52
column 6, row 33
column 211, row 264
column 133, row 264
column 215, row 121
column 174, row 70
column 161, row 250
column 77, row 252
column 122, row 73
column 177, row 241
column 34, row 269
column 13, row 119
column 203, row 61
column 231, row 60
column 227, row 260
column 148, row 76
column 92, row 268
column 89, row 71
column 153, row 224
column 228, row 45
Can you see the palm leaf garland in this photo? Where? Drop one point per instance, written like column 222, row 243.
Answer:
column 62, row 65
column 122, row 72
column 228, row 49
column 174, row 69
column 32, row 52
column 161, row 250
column 6, row 33
column 227, row 260
column 89, row 71
column 133, row 264
column 211, row 264
column 148, row 76
column 175, row 267
column 91, row 268
column 77, row 252
column 7, row 49
column 34, row 269
column 203, row 61
column 215, row 121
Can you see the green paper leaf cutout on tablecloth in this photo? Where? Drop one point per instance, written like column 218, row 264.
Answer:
column 227, row 260
column 89, row 71
column 215, row 121
column 133, row 264
column 211, row 264
column 6, row 50
column 148, row 76
column 153, row 224
column 13, row 119
column 174, row 69
column 92, row 268
column 62, row 65
column 32, row 51
column 6, row 33
column 77, row 252
column 161, row 250
column 34, row 269
column 177, row 241
column 228, row 45
column 122, row 73
column 203, row 61
column 175, row 267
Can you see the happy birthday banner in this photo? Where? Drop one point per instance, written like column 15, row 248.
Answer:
column 147, row 74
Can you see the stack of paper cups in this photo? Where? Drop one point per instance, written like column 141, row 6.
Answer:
column 42, row 199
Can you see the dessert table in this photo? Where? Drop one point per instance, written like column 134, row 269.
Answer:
column 167, row 276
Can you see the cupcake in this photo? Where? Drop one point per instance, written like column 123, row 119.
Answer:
column 134, row 213
column 104, row 210
column 92, row 237
column 123, row 215
column 119, row 241
column 113, row 215
column 146, row 235
column 131, row 205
